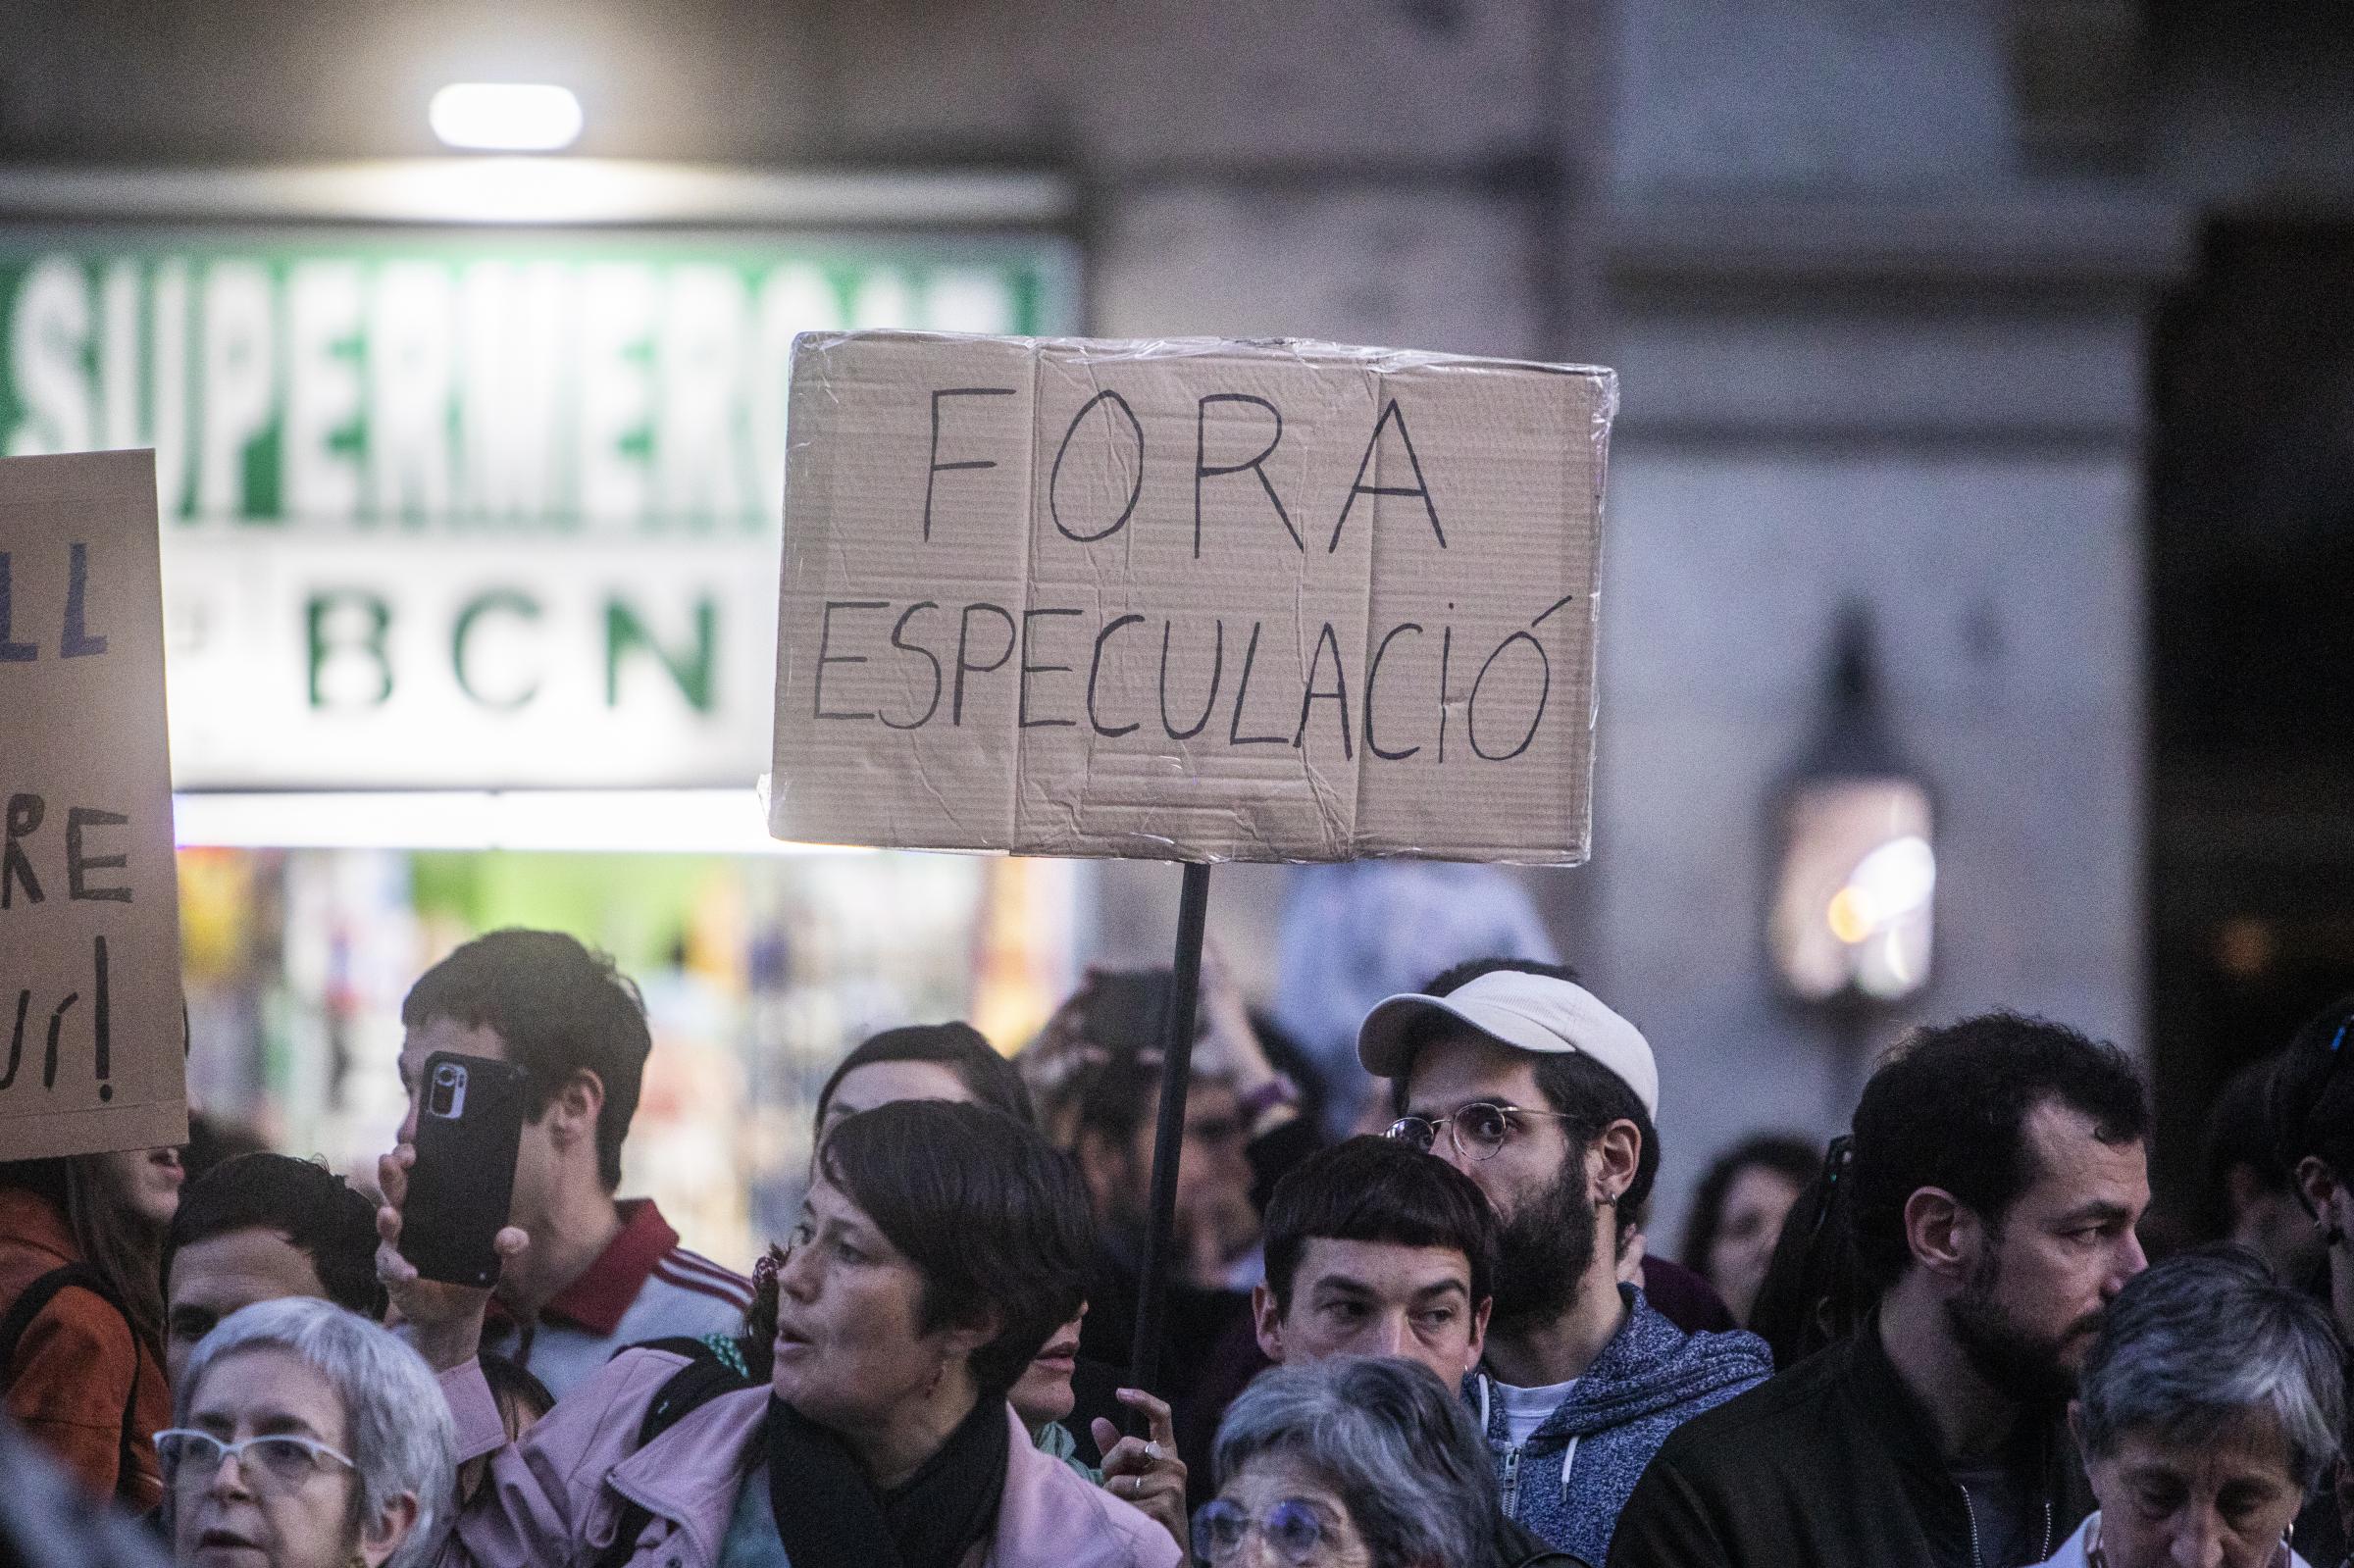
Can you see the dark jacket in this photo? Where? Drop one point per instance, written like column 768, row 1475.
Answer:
column 1569, row 1481
column 1833, row 1463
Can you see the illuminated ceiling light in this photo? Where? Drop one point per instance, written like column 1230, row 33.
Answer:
column 505, row 117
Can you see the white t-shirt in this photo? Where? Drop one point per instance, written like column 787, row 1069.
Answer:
column 1525, row 1409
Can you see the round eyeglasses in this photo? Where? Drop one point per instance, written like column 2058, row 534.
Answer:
column 1477, row 1129
column 274, row 1463
column 1291, row 1527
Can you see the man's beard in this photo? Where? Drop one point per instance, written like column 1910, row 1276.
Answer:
column 2030, row 1370
column 1543, row 1250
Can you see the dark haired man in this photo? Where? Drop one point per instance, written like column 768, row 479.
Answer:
column 260, row 1228
column 598, row 1274
column 1996, row 1176
column 1375, row 1249
column 1544, row 1098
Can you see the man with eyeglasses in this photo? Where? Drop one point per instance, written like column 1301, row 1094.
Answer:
column 1526, row 1083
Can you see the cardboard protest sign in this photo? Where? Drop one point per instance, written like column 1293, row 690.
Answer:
column 92, row 1034
column 1188, row 600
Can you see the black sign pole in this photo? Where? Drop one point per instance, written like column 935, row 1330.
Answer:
column 1168, row 1135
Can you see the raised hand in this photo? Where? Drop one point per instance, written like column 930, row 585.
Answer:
column 1147, row 1472
column 444, row 1322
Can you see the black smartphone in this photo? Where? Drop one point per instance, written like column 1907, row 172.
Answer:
column 467, row 1128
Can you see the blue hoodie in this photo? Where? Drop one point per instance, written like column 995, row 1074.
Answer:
column 1569, row 1481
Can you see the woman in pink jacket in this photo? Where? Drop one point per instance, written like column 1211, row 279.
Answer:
column 938, row 1249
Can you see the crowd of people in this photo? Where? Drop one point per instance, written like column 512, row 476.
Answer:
column 1418, row 1327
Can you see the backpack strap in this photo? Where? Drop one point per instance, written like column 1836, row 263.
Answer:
column 33, row 1299
column 715, row 1365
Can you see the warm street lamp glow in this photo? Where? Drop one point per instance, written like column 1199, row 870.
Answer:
column 505, row 117
column 1852, row 911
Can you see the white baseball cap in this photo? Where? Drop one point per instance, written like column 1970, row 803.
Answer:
column 1528, row 1012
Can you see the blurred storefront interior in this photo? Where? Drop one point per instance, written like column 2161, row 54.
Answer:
column 470, row 573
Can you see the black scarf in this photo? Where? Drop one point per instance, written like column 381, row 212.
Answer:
column 829, row 1515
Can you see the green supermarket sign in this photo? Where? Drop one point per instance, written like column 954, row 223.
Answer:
column 461, row 509
column 535, row 383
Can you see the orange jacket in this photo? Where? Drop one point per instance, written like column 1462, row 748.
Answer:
column 79, row 1365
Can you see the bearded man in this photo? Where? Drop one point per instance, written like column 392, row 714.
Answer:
column 1548, row 1101
column 1989, row 1197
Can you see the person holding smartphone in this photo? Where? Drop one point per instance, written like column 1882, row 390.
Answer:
column 600, row 1274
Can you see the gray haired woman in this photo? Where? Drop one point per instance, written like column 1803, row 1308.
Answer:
column 1355, row 1462
column 307, row 1438
column 2208, row 1408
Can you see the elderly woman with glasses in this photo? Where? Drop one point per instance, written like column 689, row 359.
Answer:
column 2208, row 1409
column 308, row 1438
column 1354, row 1462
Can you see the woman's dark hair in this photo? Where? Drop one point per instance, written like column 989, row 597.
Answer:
column 2240, row 1137
column 993, row 1219
column 991, row 1078
column 1948, row 1109
column 520, row 1397
column 1783, row 1153
column 1378, row 1190
column 2312, row 1107
column 1813, row 1294
column 114, row 1239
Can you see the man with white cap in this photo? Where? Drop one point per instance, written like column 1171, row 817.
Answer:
column 1526, row 1083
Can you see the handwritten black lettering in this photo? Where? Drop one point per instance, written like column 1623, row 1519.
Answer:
column 1446, row 657
column 1419, row 487
column 1242, row 695
column 939, row 468
column 1094, row 673
column 964, row 665
column 899, row 641
column 1373, row 675
column 25, row 813
column 1136, row 465
column 1021, row 717
column 1209, row 700
column 57, row 1022
column 1544, row 691
column 1256, row 466
column 77, row 643
column 15, row 1043
column 11, row 650
column 1338, row 693
column 825, row 637
column 102, row 1021
column 78, row 819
